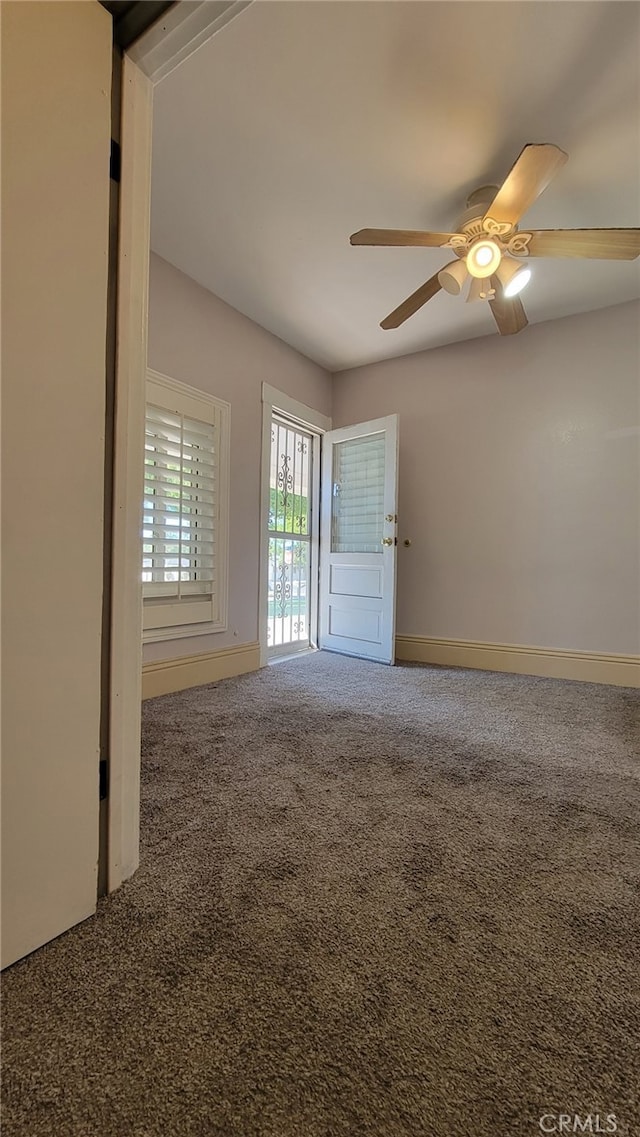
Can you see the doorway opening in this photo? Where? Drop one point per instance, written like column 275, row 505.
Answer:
column 292, row 534
column 328, row 533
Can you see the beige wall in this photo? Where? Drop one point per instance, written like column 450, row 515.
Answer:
column 519, row 468
column 197, row 338
column 56, row 75
column 519, row 482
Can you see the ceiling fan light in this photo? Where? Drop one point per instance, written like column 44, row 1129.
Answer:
column 452, row 277
column 483, row 258
column 520, row 281
column 513, row 276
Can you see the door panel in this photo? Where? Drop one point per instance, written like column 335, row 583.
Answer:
column 56, row 80
column 356, row 624
column 358, row 539
column 353, row 580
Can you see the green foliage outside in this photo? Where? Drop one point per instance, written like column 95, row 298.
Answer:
column 288, row 513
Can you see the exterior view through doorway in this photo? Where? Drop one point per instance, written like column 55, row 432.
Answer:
column 329, row 524
column 290, row 524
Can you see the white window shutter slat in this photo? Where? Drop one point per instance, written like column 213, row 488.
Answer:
column 181, row 508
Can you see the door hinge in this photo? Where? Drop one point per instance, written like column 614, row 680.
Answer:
column 115, row 161
column 104, row 779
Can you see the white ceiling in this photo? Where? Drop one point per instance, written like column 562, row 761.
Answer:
column 303, row 121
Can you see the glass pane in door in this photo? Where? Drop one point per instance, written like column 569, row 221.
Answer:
column 357, row 513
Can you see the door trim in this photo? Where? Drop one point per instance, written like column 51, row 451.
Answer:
column 131, row 364
column 181, row 31
column 277, row 401
column 155, row 55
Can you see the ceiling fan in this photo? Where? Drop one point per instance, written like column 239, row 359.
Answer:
column 491, row 248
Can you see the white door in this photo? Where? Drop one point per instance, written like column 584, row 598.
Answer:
column 358, row 539
column 56, row 121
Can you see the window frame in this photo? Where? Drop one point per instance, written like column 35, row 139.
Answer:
column 181, row 398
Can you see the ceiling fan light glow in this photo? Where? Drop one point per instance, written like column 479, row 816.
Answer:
column 453, row 276
column 483, row 258
column 520, row 281
column 513, row 277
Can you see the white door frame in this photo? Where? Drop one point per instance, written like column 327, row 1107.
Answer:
column 171, row 40
column 319, row 424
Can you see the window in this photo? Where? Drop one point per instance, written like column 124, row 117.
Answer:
column 184, row 529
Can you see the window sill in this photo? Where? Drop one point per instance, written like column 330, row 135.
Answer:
column 183, row 631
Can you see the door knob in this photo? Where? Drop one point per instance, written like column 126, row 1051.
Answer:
column 387, row 541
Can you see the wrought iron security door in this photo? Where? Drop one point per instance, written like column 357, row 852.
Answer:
column 290, row 504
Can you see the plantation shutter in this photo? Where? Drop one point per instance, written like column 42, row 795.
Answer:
column 180, row 552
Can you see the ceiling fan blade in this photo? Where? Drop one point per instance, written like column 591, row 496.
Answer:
column 508, row 312
column 530, row 174
column 412, row 303
column 400, row 237
column 602, row 244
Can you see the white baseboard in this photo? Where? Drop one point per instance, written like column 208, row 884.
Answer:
column 166, row 675
column 553, row 663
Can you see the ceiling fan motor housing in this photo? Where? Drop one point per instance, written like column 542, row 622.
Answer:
column 470, row 224
column 478, row 203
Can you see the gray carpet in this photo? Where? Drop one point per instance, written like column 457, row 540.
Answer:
column 371, row 901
